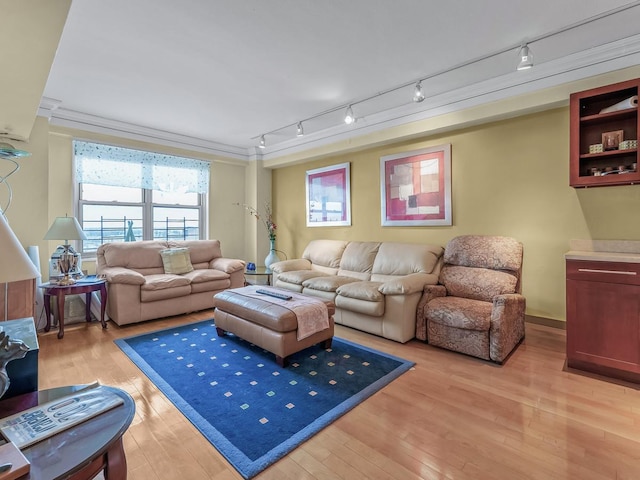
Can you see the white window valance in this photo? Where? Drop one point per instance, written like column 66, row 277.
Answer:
column 123, row 167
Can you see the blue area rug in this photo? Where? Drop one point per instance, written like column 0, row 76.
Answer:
column 253, row 411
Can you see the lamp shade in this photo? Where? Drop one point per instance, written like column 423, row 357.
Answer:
column 8, row 151
column 15, row 264
column 65, row 228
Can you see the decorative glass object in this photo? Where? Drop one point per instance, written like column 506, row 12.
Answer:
column 273, row 255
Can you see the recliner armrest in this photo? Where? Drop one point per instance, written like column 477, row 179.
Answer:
column 412, row 283
column 508, row 306
column 227, row 265
column 291, row 265
column 122, row 275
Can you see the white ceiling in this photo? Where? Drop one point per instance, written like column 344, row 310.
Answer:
column 217, row 74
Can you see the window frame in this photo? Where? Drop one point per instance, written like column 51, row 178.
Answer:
column 147, row 205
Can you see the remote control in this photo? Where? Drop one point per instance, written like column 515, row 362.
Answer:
column 282, row 296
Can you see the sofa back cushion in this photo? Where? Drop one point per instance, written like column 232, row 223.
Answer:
column 484, row 251
column 325, row 255
column 489, row 252
column 143, row 257
column 201, row 252
column 357, row 260
column 398, row 259
column 477, row 283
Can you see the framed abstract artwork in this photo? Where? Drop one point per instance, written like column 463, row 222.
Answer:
column 416, row 187
column 328, row 196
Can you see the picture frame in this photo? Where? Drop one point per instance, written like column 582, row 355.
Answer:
column 415, row 188
column 611, row 140
column 329, row 196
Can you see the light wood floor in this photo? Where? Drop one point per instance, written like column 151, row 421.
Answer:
column 451, row 417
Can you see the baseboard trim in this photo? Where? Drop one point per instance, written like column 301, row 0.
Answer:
column 547, row 322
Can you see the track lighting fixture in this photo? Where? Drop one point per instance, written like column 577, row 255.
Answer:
column 262, row 143
column 348, row 117
column 418, row 95
column 525, row 61
column 526, row 58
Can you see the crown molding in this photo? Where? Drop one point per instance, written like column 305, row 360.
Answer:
column 62, row 117
column 592, row 62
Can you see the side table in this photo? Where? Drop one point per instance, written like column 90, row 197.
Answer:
column 81, row 286
column 258, row 272
column 82, row 451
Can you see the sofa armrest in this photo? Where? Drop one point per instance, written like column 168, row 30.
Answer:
column 122, row 275
column 412, row 283
column 227, row 265
column 291, row 265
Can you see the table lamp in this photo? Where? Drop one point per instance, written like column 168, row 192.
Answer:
column 15, row 264
column 66, row 228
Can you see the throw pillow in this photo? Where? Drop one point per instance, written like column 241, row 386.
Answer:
column 176, row 260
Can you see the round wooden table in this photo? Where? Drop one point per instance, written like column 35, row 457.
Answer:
column 82, row 451
column 81, row 286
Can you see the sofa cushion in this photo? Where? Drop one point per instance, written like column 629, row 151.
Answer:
column 327, row 283
column 176, row 260
column 207, row 280
column 201, row 275
column 167, row 293
column 361, row 297
column 296, row 277
column 362, row 291
column 164, row 281
column 463, row 313
column 476, row 283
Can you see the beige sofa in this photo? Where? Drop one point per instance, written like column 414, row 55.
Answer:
column 139, row 289
column 376, row 287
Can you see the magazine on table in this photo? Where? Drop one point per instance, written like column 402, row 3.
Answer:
column 43, row 421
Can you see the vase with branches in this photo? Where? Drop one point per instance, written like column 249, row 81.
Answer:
column 267, row 220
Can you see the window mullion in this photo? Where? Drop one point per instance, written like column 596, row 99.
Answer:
column 148, row 214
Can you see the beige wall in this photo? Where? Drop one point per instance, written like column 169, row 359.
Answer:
column 43, row 190
column 509, row 178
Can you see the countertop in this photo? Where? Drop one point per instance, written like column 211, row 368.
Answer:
column 625, row 251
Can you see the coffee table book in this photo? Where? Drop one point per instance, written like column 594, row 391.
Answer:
column 43, row 421
column 11, row 454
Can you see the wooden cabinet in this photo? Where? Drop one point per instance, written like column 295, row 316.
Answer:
column 21, row 301
column 588, row 126
column 603, row 317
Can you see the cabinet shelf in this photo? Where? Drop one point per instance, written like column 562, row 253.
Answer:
column 599, row 117
column 610, row 153
column 587, row 126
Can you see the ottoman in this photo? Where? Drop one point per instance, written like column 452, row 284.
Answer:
column 268, row 322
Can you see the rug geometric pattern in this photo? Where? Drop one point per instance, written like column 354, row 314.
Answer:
column 253, row 411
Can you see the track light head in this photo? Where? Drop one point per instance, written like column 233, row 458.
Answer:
column 262, row 143
column 418, row 94
column 299, row 130
column 348, row 117
column 526, row 58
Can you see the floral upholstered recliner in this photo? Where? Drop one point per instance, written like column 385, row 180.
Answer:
column 476, row 308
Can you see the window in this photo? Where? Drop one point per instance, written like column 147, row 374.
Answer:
column 128, row 195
